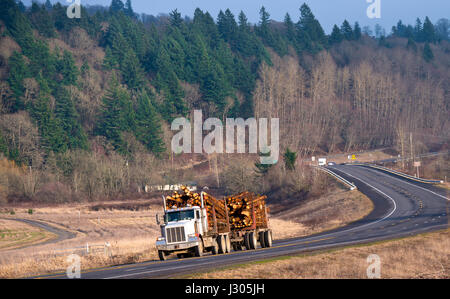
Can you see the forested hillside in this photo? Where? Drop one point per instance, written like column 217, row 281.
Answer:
column 86, row 102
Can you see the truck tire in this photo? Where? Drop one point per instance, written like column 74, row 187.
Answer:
column 162, row 255
column 215, row 248
column 268, row 238
column 246, row 241
column 252, row 241
column 198, row 250
column 227, row 244
column 237, row 247
column 261, row 240
column 221, row 240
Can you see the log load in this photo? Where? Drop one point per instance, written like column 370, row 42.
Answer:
column 245, row 210
column 213, row 206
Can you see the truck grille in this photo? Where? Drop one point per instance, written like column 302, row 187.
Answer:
column 175, row 234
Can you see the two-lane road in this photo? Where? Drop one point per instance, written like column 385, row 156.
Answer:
column 401, row 208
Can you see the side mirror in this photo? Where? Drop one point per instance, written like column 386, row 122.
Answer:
column 157, row 219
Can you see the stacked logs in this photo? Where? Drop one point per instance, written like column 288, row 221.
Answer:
column 213, row 206
column 241, row 208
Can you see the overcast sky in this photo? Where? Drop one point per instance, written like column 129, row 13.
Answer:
column 329, row 12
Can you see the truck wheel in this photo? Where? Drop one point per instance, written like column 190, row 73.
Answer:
column 215, row 248
column 252, row 240
column 246, row 241
column 227, row 244
column 261, row 239
column 198, row 250
column 162, row 255
column 222, row 243
column 268, row 238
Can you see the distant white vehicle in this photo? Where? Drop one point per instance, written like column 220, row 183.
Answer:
column 322, row 161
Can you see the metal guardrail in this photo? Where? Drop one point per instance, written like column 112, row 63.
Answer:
column 85, row 250
column 338, row 177
column 426, row 181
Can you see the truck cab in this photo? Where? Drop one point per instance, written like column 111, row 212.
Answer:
column 181, row 229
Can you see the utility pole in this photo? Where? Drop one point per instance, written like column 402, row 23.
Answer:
column 411, row 146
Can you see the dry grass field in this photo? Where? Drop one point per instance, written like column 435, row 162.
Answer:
column 14, row 234
column 131, row 230
column 132, row 235
column 422, row 256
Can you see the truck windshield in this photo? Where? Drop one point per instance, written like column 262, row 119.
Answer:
column 179, row 215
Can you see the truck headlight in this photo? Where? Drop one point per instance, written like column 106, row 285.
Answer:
column 160, row 239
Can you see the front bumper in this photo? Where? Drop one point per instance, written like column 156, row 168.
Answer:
column 161, row 245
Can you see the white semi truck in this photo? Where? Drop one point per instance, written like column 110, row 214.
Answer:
column 187, row 232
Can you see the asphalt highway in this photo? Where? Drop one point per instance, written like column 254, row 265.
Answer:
column 401, row 208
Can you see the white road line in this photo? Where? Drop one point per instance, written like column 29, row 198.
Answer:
column 367, row 224
column 174, row 268
column 151, row 271
column 379, row 191
column 393, row 177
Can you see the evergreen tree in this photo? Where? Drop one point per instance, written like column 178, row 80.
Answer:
column 243, row 21
column 17, row 72
column 21, row 6
column 347, row 31
column 418, row 33
column 168, row 83
column 175, row 18
column 264, row 22
column 290, row 28
column 428, row 32
column 310, row 31
column 68, row 69
column 48, row 5
column 270, row 37
column 128, row 9
column 336, row 36
column 50, row 129
column 65, row 111
column 148, row 125
column 117, row 115
column 427, row 53
column 116, row 6
column 227, row 26
column 289, row 159
column 132, row 73
column 17, row 25
column 110, row 61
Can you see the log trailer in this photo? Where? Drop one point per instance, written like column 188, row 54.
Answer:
column 198, row 223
